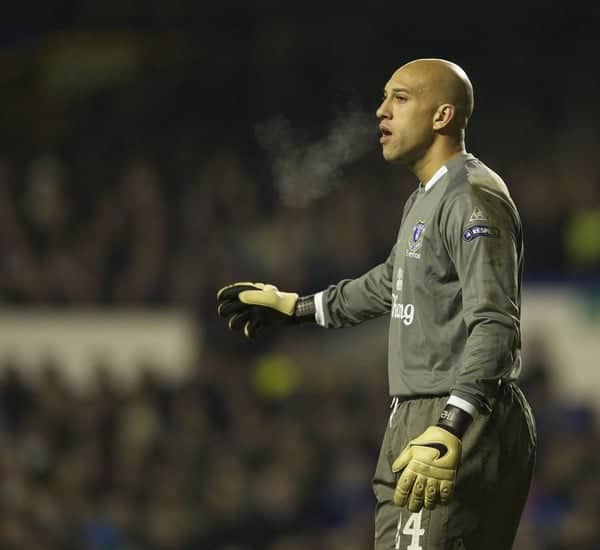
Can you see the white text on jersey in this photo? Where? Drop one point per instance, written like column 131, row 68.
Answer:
column 402, row 312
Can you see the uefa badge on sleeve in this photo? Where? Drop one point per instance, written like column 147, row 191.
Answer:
column 415, row 242
column 479, row 230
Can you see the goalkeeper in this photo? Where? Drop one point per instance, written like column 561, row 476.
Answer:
column 458, row 452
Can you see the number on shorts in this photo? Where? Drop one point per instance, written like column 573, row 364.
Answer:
column 412, row 528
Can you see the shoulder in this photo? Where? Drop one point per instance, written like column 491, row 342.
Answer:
column 469, row 176
column 472, row 185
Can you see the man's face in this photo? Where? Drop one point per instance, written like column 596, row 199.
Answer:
column 406, row 117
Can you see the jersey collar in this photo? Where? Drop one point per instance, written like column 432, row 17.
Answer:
column 435, row 178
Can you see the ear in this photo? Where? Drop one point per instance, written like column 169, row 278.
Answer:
column 443, row 116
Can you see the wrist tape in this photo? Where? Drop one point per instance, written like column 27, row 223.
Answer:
column 455, row 420
column 305, row 309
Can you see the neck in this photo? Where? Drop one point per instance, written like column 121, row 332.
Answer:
column 438, row 154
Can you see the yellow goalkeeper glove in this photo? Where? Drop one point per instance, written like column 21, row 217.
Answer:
column 428, row 467
column 252, row 306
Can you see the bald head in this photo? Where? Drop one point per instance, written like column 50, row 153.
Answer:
column 423, row 114
column 441, row 82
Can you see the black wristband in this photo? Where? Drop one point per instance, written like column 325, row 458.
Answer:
column 305, row 309
column 455, row 420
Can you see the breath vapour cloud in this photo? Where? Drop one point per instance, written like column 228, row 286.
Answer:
column 304, row 172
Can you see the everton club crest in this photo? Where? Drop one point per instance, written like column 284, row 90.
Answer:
column 415, row 242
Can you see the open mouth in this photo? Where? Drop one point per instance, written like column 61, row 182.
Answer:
column 385, row 134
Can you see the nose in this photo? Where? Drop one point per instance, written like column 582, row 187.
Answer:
column 383, row 111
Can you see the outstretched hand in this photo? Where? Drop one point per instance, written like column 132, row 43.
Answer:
column 249, row 307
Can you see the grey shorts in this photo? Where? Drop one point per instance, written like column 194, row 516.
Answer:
column 492, row 481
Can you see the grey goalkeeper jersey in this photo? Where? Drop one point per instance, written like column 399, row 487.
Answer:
column 452, row 287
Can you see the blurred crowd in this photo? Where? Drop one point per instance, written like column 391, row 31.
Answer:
column 150, row 237
column 261, row 454
column 140, row 178
column 226, row 460
column 153, row 190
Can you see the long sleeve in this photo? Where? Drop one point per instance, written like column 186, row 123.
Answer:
column 352, row 301
column 484, row 240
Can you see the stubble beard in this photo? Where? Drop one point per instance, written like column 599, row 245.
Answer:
column 394, row 156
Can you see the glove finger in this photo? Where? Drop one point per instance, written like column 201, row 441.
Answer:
column 402, row 461
column 238, row 320
column 251, row 328
column 446, row 489
column 404, row 486
column 231, row 322
column 417, row 495
column 229, row 307
column 431, row 494
column 231, row 292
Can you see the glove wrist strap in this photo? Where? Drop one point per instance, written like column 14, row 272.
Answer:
column 305, row 309
column 455, row 420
